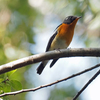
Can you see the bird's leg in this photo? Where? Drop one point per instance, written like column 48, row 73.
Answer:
column 58, row 50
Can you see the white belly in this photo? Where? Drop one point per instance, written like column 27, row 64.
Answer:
column 58, row 43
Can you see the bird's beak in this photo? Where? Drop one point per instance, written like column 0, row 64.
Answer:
column 79, row 17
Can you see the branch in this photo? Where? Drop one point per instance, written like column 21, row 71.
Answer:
column 86, row 85
column 88, row 52
column 47, row 85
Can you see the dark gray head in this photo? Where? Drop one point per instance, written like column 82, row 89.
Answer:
column 70, row 19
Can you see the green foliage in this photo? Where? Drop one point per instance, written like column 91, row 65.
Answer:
column 6, row 84
column 11, row 72
column 6, row 87
column 16, row 84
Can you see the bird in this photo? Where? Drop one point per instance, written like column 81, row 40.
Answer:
column 61, row 39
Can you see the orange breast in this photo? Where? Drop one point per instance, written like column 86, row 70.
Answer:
column 66, row 31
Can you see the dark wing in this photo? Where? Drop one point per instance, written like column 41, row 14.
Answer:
column 57, row 27
column 51, row 39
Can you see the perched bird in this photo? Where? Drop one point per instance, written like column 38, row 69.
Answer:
column 60, row 39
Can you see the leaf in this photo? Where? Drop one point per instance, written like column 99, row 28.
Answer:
column 1, row 79
column 6, row 88
column 16, row 84
column 1, row 89
column 11, row 72
column 2, row 76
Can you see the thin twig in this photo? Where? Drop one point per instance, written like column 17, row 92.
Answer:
column 85, row 86
column 47, row 85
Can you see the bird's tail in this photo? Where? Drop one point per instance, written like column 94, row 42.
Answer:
column 41, row 67
column 53, row 62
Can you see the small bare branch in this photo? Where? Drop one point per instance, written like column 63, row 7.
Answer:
column 47, row 85
column 88, row 52
column 86, row 85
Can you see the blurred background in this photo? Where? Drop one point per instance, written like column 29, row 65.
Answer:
column 25, row 28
